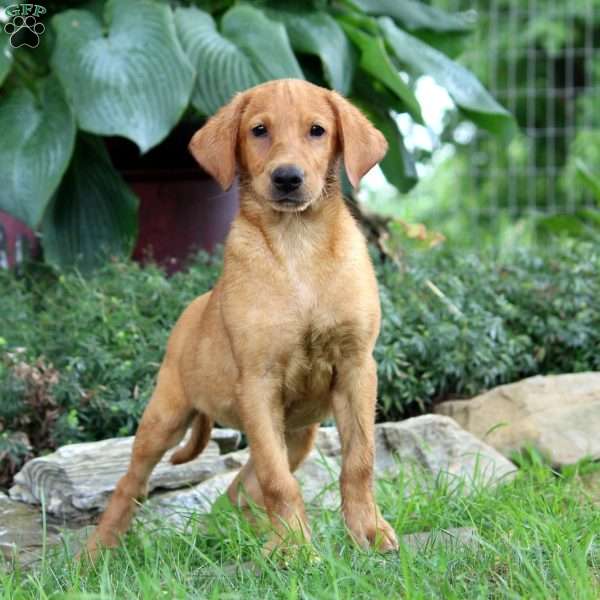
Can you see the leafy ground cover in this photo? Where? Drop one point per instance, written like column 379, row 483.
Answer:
column 79, row 356
column 538, row 539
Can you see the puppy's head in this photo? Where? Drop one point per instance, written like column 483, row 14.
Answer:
column 285, row 137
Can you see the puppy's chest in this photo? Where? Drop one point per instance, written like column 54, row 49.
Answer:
column 312, row 364
column 329, row 343
column 329, row 324
column 304, row 284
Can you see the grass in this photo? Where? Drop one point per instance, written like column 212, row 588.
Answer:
column 539, row 539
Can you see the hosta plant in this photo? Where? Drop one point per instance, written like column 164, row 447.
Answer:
column 137, row 68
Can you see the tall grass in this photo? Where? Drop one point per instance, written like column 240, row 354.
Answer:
column 538, row 538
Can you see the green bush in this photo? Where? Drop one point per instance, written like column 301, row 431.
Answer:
column 497, row 321
column 78, row 357
column 104, row 335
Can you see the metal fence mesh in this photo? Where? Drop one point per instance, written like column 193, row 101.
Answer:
column 539, row 60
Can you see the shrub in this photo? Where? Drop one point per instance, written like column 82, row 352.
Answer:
column 457, row 324
column 78, row 357
column 104, row 337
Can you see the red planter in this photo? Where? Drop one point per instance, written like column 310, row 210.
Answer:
column 181, row 210
column 176, row 218
column 179, row 217
column 17, row 242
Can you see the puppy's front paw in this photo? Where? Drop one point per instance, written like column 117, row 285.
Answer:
column 289, row 541
column 291, row 550
column 97, row 541
column 369, row 529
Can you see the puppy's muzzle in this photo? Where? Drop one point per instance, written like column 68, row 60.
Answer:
column 287, row 180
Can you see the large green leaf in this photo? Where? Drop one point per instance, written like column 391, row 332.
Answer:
column 368, row 91
column 583, row 224
column 6, row 56
column 36, row 143
column 264, row 41
column 128, row 76
column 93, row 215
column 249, row 48
column 318, row 33
column 415, row 15
column 398, row 165
column 464, row 88
column 590, row 179
column 375, row 60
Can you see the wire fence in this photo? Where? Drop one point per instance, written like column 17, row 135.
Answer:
column 541, row 60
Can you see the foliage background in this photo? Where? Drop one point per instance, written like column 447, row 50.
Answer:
column 540, row 59
column 137, row 68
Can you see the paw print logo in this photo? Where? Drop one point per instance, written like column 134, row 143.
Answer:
column 24, row 31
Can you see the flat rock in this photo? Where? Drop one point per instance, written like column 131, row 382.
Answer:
column 76, row 480
column 178, row 506
column 24, row 536
column 433, row 445
column 557, row 414
column 227, row 439
column 437, row 445
column 79, row 478
column 327, row 441
column 319, row 478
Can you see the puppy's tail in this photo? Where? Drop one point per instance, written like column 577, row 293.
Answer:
column 201, row 428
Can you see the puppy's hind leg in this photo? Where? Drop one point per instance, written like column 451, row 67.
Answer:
column 299, row 444
column 163, row 425
column 246, row 486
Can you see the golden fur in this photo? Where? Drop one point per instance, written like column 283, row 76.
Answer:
column 286, row 336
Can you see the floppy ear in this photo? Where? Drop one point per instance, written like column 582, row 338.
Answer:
column 363, row 146
column 214, row 145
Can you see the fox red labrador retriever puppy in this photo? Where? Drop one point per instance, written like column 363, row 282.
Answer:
column 285, row 338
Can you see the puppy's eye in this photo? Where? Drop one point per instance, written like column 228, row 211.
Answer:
column 316, row 131
column 259, row 131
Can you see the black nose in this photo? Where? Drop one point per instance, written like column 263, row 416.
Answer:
column 287, row 178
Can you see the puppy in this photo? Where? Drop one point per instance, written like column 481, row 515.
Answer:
column 285, row 339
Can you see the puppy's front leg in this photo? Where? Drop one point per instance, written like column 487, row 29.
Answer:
column 262, row 415
column 354, row 399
